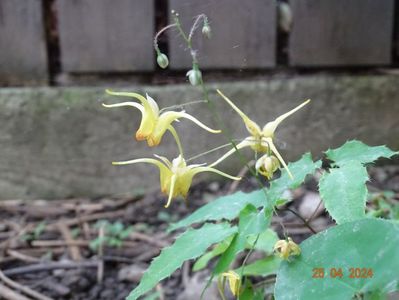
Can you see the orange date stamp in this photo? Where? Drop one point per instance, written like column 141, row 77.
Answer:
column 354, row 273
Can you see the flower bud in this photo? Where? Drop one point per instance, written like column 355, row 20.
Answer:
column 206, row 31
column 194, row 76
column 287, row 248
column 234, row 281
column 162, row 60
column 267, row 165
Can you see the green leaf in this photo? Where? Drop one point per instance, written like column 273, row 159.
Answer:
column 203, row 261
column 344, row 192
column 299, row 169
column 366, row 243
column 251, row 222
column 228, row 207
column 357, row 151
column 189, row 245
column 249, row 293
column 264, row 241
column 262, row 267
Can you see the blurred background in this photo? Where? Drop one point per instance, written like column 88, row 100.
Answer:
column 58, row 56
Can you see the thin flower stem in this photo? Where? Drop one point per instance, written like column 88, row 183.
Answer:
column 217, row 117
column 177, row 139
column 156, row 47
column 195, row 25
column 181, row 105
column 302, row 219
column 248, row 255
column 209, row 151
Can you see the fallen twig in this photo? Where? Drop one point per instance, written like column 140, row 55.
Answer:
column 22, row 288
column 89, row 218
column 74, row 250
column 49, row 267
column 22, row 257
column 9, row 294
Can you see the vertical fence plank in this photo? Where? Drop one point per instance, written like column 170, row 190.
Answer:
column 341, row 32
column 243, row 34
column 23, row 53
column 106, row 36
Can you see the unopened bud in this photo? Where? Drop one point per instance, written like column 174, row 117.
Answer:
column 206, row 31
column 194, row 76
column 287, row 248
column 234, row 281
column 267, row 165
column 162, row 60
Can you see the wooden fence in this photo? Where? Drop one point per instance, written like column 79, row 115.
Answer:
column 115, row 36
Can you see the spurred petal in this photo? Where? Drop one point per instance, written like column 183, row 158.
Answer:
column 196, row 121
column 166, row 119
column 133, row 104
column 164, row 171
column 245, row 143
column 269, row 129
column 150, row 113
column 252, row 127
column 153, row 104
column 140, row 160
column 213, row 170
column 273, row 148
column 165, row 160
column 171, row 190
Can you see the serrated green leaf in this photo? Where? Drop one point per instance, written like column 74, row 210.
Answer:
column 228, row 207
column 367, row 243
column 358, row 151
column 299, row 169
column 262, row 267
column 189, row 245
column 344, row 192
column 251, row 222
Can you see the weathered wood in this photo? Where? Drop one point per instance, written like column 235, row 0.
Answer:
column 23, row 53
column 243, row 34
column 103, row 35
column 341, row 32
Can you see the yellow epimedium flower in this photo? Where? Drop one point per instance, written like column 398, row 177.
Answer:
column 260, row 139
column 154, row 124
column 267, row 165
column 176, row 176
column 234, row 281
column 287, row 248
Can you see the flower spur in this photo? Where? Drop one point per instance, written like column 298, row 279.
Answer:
column 154, row 123
column 176, row 176
column 260, row 140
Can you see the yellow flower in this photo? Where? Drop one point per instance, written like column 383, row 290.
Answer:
column 267, row 165
column 260, row 140
column 287, row 248
column 234, row 282
column 154, row 123
column 176, row 176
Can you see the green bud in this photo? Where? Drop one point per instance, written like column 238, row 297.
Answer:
column 162, row 60
column 206, row 31
column 194, row 76
column 267, row 165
